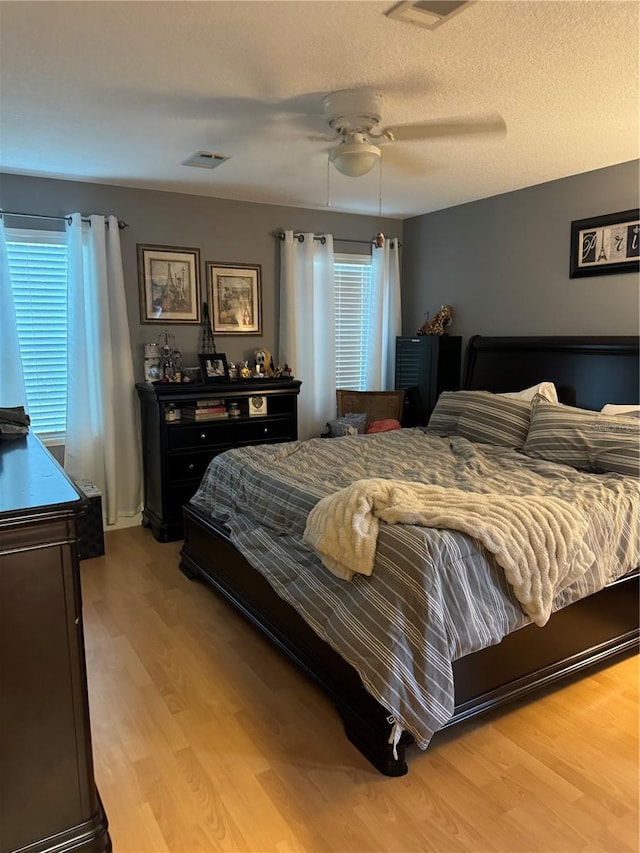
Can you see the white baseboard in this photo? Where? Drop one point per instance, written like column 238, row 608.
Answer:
column 124, row 521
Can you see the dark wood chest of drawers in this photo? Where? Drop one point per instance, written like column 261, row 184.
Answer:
column 48, row 797
column 425, row 366
column 176, row 452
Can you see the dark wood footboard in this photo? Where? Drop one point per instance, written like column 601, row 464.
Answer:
column 208, row 554
column 588, row 632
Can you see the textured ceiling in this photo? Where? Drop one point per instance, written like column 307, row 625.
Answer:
column 122, row 92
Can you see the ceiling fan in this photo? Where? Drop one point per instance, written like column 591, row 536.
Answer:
column 356, row 116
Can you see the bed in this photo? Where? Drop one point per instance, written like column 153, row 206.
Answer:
column 585, row 628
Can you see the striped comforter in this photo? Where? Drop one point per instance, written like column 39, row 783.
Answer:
column 435, row 595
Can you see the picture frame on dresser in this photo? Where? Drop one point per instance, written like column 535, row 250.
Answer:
column 214, row 367
column 168, row 284
column 235, row 296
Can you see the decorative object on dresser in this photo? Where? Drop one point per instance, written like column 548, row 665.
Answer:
column 605, row 244
column 176, row 454
column 426, row 366
column 169, row 284
column 235, row 297
column 48, row 796
column 264, row 363
column 207, row 340
column 205, row 410
column 170, row 358
column 152, row 369
column 214, row 367
column 257, row 406
column 438, row 323
column 585, row 629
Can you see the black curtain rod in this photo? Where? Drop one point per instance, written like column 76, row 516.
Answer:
column 121, row 224
column 323, row 239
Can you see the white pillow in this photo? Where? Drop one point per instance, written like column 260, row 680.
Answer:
column 611, row 409
column 547, row 390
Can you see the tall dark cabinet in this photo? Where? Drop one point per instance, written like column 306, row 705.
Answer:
column 48, row 798
column 176, row 453
column 425, row 366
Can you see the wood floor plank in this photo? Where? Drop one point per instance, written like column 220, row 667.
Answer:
column 207, row 739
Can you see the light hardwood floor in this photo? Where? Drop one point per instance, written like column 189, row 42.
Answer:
column 206, row 738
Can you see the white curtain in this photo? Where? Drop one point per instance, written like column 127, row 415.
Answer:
column 307, row 327
column 385, row 318
column 12, row 388
column 103, row 431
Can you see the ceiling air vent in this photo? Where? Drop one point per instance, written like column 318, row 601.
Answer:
column 205, row 159
column 429, row 14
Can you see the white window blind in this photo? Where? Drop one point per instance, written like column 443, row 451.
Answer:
column 352, row 275
column 38, row 265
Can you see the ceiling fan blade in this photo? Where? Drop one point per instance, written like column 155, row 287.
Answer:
column 401, row 161
column 446, row 127
column 323, row 137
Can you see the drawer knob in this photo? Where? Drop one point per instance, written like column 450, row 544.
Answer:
column 203, row 435
column 191, row 466
column 266, row 430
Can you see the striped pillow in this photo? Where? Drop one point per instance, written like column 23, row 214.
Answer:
column 447, row 411
column 481, row 416
column 496, row 419
column 586, row 440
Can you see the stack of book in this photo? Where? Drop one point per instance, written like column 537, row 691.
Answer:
column 205, row 410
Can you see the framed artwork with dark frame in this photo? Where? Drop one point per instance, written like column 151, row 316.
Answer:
column 214, row 367
column 235, row 298
column 605, row 244
column 169, row 284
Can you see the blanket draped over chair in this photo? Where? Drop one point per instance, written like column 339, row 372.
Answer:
column 538, row 540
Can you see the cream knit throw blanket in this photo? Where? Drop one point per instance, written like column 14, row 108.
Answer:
column 537, row 540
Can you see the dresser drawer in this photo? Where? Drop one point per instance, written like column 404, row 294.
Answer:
column 256, row 431
column 204, row 434
column 189, row 466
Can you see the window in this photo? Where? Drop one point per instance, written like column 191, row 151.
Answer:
column 38, row 266
column 352, row 275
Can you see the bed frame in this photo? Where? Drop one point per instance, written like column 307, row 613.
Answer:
column 588, row 372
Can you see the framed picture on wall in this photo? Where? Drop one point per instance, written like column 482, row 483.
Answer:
column 169, row 284
column 605, row 244
column 235, row 298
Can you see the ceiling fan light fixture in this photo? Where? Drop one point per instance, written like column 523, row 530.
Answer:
column 355, row 159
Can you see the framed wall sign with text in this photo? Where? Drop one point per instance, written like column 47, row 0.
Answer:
column 605, row 244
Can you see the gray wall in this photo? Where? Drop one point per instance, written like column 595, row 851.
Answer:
column 223, row 231
column 503, row 262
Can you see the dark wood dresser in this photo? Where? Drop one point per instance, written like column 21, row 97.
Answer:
column 48, row 798
column 176, row 452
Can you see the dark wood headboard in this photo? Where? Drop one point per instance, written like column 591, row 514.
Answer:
column 587, row 371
